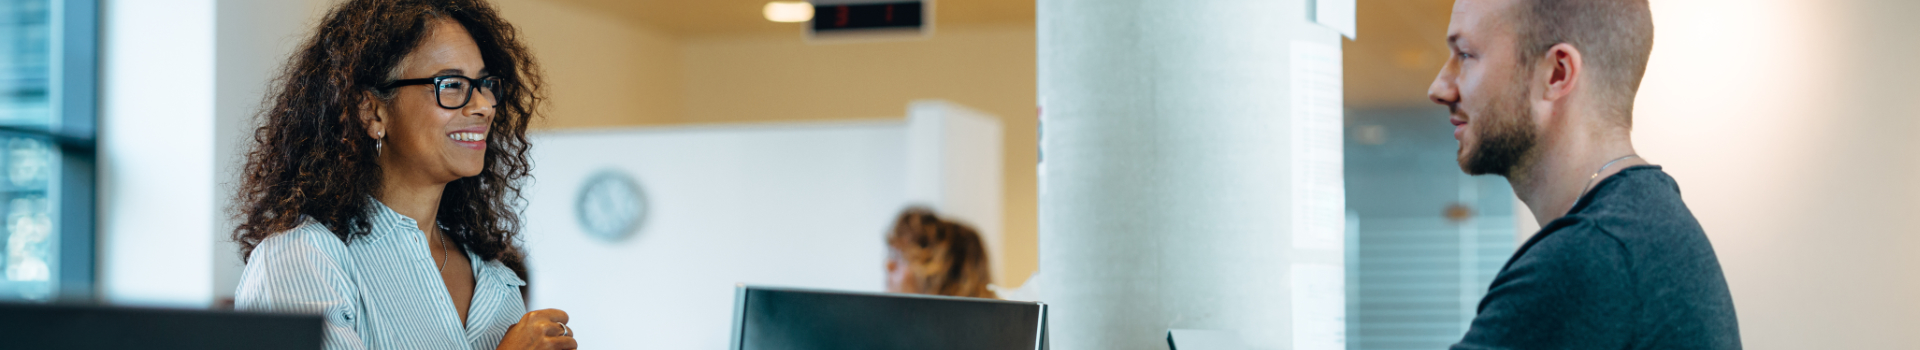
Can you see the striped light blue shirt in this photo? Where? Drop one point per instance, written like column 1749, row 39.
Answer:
column 382, row 292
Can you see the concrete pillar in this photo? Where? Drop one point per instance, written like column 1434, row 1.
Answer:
column 1176, row 137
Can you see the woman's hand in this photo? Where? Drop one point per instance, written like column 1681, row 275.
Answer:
column 540, row 330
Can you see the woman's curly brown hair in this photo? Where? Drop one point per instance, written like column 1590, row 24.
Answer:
column 946, row 257
column 311, row 156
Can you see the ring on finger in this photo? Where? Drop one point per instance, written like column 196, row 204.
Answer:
column 564, row 330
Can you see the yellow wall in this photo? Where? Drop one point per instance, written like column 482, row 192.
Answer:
column 604, row 71
column 781, row 77
column 601, row 70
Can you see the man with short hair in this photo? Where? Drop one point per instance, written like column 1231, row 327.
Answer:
column 1541, row 92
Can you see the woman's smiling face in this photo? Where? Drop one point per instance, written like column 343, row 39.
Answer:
column 423, row 140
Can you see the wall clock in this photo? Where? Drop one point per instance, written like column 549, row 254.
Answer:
column 610, row 205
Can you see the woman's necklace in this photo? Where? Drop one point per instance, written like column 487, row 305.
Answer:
column 443, row 251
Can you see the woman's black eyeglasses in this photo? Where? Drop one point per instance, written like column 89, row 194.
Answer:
column 454, row 91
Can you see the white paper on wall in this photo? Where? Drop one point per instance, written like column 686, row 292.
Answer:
column 1319, row 186
column 1319, row 307
column 1319, row 197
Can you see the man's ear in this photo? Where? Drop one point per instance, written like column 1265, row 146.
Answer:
column 1565, row 71
column 370, row 115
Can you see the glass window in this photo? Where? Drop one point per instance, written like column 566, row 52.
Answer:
column 1427, row 240
column 47, row 66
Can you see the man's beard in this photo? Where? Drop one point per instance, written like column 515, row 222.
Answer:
column 1507, row 136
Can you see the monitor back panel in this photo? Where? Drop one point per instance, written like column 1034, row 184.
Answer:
column 793, row 319
column 30, row 326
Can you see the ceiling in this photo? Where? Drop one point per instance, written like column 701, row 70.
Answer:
column 708, row 17
column 1401, row 42
column 1402, row 45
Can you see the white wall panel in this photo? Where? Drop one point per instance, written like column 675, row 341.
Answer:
column 803, row 205
column 1789, row 126
column 157, row 152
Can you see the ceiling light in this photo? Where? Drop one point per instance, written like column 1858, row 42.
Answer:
column 788, row 11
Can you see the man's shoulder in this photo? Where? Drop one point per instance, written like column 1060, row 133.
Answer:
column 1575, row 242
column 1675, row 271
column 1635, row 194
column 1635, row 218
column 1641, row 207
column 1631, row 244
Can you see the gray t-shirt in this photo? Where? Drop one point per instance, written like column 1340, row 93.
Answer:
column 1627, row 268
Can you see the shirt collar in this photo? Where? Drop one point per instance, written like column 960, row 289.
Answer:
column 384, row 219
column 498, row 271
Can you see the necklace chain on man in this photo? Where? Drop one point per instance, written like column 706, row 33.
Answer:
column 1603, row 168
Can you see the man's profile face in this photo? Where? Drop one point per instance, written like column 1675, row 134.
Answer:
column 1484, row 86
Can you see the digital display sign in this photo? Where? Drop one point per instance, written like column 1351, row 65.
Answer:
column 829, row 18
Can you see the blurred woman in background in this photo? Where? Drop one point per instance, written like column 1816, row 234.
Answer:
column 380, row 187
column 928, row 255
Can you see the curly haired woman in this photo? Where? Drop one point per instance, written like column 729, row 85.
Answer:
column 930, row 255
column 381, row 185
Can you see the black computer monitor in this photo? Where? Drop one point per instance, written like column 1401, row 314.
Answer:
column 31, row 326
column 766, row 318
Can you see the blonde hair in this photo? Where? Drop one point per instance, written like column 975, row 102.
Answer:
column 944, row 257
